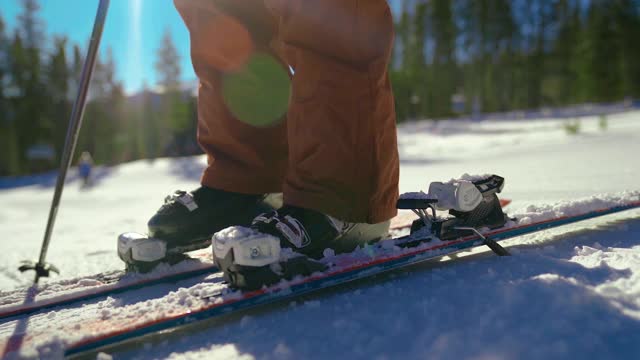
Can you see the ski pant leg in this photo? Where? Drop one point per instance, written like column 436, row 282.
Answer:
column 343, row 156
column 224, row 34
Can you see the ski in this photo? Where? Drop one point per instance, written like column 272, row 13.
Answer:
column 212, row 298
column 68, row 292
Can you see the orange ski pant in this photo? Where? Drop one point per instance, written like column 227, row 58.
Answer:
column 335, row 151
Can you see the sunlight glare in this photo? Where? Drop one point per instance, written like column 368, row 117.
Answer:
column 134, row 58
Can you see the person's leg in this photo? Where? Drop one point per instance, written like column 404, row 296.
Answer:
column 244, row 161
column 341, row 185
column 343, row 157
column 224, row 33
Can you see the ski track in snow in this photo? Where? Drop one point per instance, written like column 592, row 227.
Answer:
column 567, row 292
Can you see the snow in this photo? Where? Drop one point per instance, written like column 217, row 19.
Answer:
column 572, row 292
column 568, row 208
column 421, row 195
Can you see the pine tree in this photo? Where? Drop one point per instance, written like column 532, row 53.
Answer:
column 58, row 75
column 9, row 154
column 400, row 78
column 443, row 81
column 474, row 19
column 102, row 132
column 561, row 80
column 168, row 63
column 421, row 99
column 176, row 122
column 76, row 70
column 4, row 59
column 33, row 125
column 404, row 34
column 598, row 64
column 17, row 84
column 505, row 64
column 30, row 24
column 541, row 17
column 626, row 15
column 150, row 126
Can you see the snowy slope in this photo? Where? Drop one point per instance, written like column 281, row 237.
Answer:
column 568, row 292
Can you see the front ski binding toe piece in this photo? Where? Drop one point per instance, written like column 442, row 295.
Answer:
column 250, row 259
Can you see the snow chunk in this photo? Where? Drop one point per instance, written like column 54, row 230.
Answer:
column 534, row 213
column 235, row 232
column 90, row 282
column 469, row 177
column 282, row 350
column 421, row 195
column 328, row 253
column 104, row 356
column 227, row 351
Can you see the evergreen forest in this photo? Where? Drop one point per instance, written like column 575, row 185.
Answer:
column 451, row 58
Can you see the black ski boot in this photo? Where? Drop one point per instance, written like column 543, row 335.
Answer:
column 186, row 222
column 251, row 258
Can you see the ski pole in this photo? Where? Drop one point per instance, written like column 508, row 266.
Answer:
column 41, row 268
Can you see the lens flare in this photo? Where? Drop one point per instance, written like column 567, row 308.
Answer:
column 223, row 42
column 134, row 50
column 259, row 93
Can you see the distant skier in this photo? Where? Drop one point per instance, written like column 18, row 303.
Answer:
column 85, row 167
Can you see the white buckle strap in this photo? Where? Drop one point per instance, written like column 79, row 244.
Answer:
column 288, row 226
column 293, row 230
column 188, row 201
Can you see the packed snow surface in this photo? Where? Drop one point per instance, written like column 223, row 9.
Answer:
column 570, row 292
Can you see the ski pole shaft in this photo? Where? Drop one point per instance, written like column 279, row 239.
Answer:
column 74, row 126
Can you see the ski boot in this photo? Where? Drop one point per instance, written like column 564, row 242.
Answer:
column 285, row 243
column 186, row 221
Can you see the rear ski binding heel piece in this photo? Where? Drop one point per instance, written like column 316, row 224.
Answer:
column 472, row 204
column 142, row 254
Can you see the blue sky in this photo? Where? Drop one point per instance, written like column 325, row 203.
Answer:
column 133, row 31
